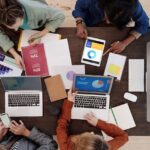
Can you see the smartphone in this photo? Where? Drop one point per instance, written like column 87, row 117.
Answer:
column 5, row 120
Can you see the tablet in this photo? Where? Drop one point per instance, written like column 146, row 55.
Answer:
column 93, row 51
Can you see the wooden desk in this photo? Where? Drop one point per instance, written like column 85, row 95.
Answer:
column 137, row 49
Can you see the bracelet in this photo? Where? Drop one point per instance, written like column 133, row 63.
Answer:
column 79, row 22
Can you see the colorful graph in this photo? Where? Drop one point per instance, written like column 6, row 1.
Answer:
column 97, row 84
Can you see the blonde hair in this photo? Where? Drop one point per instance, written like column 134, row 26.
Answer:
column 2, row 147
column 88, row 141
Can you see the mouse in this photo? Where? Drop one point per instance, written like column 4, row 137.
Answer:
column 131, row 97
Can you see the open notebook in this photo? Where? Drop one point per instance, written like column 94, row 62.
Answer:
column 25, row 34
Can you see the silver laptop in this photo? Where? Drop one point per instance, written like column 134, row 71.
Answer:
column 93, row 96
column 23, row 96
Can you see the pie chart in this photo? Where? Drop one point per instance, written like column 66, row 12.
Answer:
column 70, row 75
column 91, row 54
column 97, row 84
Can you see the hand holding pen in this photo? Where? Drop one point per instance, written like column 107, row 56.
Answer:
column 116, row 47
column 34, row 39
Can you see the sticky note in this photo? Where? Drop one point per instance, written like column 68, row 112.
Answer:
column 97, row 46
column 114, row 69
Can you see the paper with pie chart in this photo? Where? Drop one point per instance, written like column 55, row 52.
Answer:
column 93, row 51
column 67, row 73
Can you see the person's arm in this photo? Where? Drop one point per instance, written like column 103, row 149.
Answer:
column 7, row 46
column 54, row 19
column 120, row 137
column 79, row 14
column 63, row 124
column 141, row 21
column 141, row 27
column 44, row 141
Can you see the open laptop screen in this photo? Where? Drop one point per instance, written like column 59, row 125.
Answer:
column 21, row 83
column 92, row 84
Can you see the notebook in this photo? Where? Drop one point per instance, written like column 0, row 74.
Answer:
column 8, row 67
column 115, row 65
column 122, row 117
column 23, row 96
column 93, row 95
column 25, row 34
column 55, row 88
column 35, row 60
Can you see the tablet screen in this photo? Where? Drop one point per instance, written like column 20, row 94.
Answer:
column 93, row 51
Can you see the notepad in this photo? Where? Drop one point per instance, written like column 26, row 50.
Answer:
column 35, row 60
column 115, row 65
column 55, row 88
column 25, row 34
column 120, row 116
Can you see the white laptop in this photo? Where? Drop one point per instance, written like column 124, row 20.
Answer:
column 93, row 96
column 23, row 96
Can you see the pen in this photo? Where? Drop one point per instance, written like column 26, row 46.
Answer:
column 107, row 51
column 114, row 116
column 110, row 49
column 31, row 40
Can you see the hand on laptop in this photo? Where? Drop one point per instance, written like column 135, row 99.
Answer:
column 91, row 119
column 3, row 130
column 19, row 128
column 71, row 96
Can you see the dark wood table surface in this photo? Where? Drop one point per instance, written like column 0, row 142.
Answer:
column 136, row 50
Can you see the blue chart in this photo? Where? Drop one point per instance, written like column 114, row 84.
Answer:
column 91, row 54
column 97, row 84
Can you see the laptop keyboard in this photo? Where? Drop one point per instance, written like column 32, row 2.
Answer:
column 84, row 101
column 23, row 100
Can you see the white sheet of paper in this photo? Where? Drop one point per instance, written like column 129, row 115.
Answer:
column 49, row 37
column 67, row 73
column 119, row 61
column 57, row 54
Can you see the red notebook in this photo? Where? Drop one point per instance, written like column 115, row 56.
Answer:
column 35, row 60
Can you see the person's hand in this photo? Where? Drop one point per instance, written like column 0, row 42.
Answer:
column 35, row 39
column 19, row 128
column 91, row 119
column 3, row 130
column 118, row 47
column 19, row 61
column 81, row 31
column 71, row 96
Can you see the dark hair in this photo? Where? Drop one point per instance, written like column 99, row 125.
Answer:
column 10, row 10
column 119, row 12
